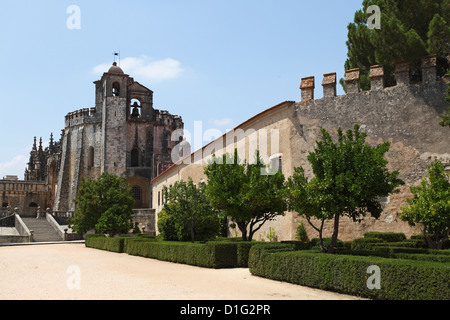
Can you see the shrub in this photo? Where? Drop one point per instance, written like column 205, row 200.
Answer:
column 242, row 253
column 166, row 226
column 214, row 254
column 400, row 279
column 103, row 243
column 301, row 234
column 386, row 236
column 179, row 252
column 145, row 236
column 223, row 253
column 300, row 245
column 404, row 244
column 442, row 258
column 366, row 243
column 255, row 259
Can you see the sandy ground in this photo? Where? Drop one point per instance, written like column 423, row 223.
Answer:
column 74, row 272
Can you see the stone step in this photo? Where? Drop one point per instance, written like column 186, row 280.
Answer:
column 43, row 231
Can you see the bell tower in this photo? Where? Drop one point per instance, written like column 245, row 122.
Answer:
column 112, row 99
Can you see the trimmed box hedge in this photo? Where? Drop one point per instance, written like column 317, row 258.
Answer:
column 215, row 254
column 209, row 255
column 386, row 236
column 347, row 274
column 102, row 242
column 366, row 243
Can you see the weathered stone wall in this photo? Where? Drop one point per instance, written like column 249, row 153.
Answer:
column 146, row 220
column 406, row 115
column 83, row 130
column 115, row 142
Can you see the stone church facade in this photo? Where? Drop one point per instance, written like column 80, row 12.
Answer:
column 122, row 135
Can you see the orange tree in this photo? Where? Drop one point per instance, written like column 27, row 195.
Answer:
column 247, row 195
column 350, row 176
column 430, row 206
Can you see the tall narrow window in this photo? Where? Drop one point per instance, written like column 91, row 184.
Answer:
column 135, row 158
column 137, row 193
column 116, row 89
column 137, row 196
column 91, row 157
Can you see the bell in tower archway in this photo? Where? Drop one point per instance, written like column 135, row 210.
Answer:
column 136, row 113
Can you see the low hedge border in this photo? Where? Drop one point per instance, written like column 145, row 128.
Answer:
column 102, row 242
column 214, row 254
column 400, row 253
column 386, row 236
column 400, row 279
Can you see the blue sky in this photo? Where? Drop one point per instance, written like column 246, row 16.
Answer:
column 219, row 62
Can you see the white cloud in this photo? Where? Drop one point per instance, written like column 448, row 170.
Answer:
column 14, row 167
column 221, row 122
column 144, row 68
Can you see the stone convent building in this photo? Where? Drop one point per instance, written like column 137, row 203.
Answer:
column 122, row 135
column 406, row 115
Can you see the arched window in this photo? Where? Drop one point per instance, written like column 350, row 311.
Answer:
column 116, row 89
column 135, row 108
column 32, row 205
column 135, row 158
column 91, row 157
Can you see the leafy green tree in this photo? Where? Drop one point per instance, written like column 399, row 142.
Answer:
column 301, row 233
column 187, row 213
column 430, row 206
column 310, row 200
column 167, row 226
column 244, row 194
column 350, row 176
column 410, row 30
column 115, row 220
column 108, row 195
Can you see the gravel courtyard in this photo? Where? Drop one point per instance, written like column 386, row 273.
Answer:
column 74, row 272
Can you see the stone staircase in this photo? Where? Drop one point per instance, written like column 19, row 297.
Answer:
column 43, row 231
